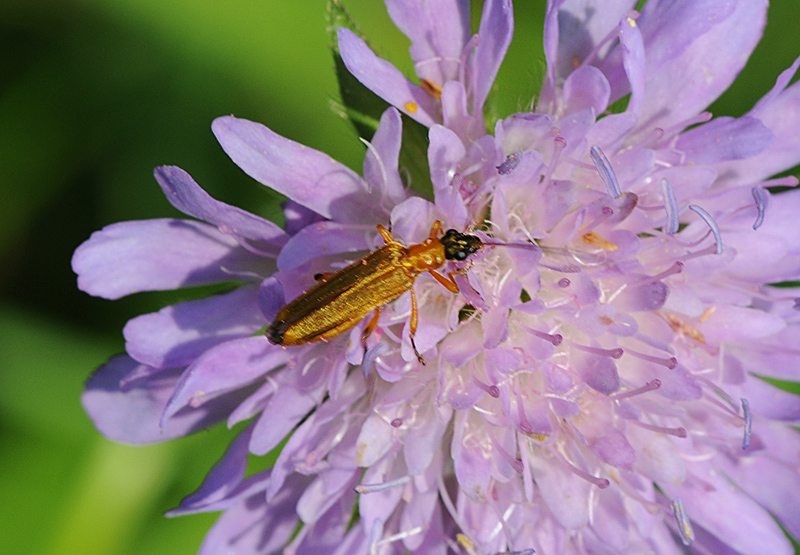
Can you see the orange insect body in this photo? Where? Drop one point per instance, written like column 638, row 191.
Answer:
column 341, row 300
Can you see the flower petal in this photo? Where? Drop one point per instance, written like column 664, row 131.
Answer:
column 380, row 163
column 253, row 526
column 779, row 110
column 724, row 139
column 133, row 414
column 438, row 30
column 496, row 29
column 155, row 255
column 176, row 335
column 305, row 175
column 321, row 239
column 385, row 80
column 187, row 196
column 224, row 368
column 686, row 85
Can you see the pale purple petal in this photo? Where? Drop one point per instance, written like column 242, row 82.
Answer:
column 253, row 527
column 385, row 80
column 686, row 85
column 222, row 480
column 133, row 414
column 496, row 29
column 321, row 239
column 572, row 30
column 232, row 365
column 585, row 88
column 380, row 162
column 438, row 30
column 155, row 255
column 176, row 335
column 779, row 110
column 758, row 477
column 187, row 196
column 633, row 60
column 445, row 152
column 303, row 174
column 282, row 413
column 724, row 139
column 710, row 505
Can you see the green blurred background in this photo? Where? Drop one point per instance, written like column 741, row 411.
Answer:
column 93, row 95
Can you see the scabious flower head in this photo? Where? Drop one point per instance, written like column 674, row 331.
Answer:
column 593, row 388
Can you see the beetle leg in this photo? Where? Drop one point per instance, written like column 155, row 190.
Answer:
column 370, row 327
column 413, row 324
column 436, row 229
column 448, row 282
column 386, row 234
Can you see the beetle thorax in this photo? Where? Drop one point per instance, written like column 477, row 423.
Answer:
column 428, row 255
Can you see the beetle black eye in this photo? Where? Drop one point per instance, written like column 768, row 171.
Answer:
column 461, row 255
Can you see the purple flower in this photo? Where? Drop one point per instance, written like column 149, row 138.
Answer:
column 595, row 387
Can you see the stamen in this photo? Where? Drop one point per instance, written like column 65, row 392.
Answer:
column 605, row 170
column 613, row 35
column 559, row 144
column 711, row 224
column 563, row 282
column 676, row 268
column 491, row 390
column 466, row 543
column 432, row 88
column 515, row 463
column 758, row 196
column 384, row 486
column 652, row 385
column 684, row 524
column 748, row 423
column 524, row 423
column 670, row 362
column 397, row 422
column 402, row 535
column 508, row 165
column 601, row 483
column 677, row 432
column 375, row 533
column 554, row 338
column 671, row 206
column 613, row 353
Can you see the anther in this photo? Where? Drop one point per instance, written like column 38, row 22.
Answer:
column 508, row 165
column 748, row 423
column 397, row 422
column 711, row 224
column 671, row 207
column 606, row 171
column 601, row 483
column 384, row 486
column 758, row 196
column 684, row 524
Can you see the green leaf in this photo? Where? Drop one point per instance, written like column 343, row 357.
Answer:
column 363, row 108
